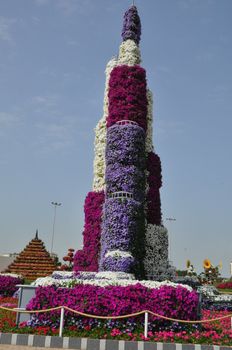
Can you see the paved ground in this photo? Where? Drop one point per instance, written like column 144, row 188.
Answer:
column 18, row 347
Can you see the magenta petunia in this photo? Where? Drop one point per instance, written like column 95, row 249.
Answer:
column 128, row 95
column 87, row 258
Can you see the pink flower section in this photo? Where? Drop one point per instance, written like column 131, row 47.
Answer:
column 87, row 258
column 154, row 215
column 128, row 95
column 116, row 300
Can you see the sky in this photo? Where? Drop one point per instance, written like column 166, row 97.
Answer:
column 53, row 55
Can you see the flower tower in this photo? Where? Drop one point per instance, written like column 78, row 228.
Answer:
column 123, row 232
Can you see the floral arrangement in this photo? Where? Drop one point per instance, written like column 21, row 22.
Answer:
column 8, row 284
column 87, row 259
column 128, row 236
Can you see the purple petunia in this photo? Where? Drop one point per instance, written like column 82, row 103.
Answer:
column 131, row 25
column 154, row 215
column 126, row 145
column 120, row 225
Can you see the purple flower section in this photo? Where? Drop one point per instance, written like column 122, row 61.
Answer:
column 87, row 259
column 119, row 225
column 127, row 95
column 124, row 264
column 113, row 300
column 131, row 25
column 8, row 285
column 154, row 168
column 154, row 214
column 125, row 145
column 126, row 178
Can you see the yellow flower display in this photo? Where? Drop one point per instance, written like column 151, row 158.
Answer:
column 206, row 264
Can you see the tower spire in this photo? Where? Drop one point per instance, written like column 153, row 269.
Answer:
column 131, row 25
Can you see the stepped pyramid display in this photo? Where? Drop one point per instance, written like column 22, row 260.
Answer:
column 123, row 233
column 33, row 262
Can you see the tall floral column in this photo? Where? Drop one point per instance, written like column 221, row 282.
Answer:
column 123, row 221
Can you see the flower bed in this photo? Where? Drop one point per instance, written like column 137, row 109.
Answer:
column 7, row 318
column 8, row 284
column 115, row 300
column 225, row 285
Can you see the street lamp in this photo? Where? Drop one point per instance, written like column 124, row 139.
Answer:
column 170, row 219
column 55, row 204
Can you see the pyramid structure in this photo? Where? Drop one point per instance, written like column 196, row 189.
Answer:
column 34, row 261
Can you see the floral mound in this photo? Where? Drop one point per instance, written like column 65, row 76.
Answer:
column 173, row 302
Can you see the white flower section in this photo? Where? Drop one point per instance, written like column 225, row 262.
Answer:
column 48, row 281
column 112, row 275
column 156, row 252
column 62, row 274
column 149, row 135
column 156, row 236
column 99, row 159
column 109, row 67
column 118, row 254
column 129, row 53
column 100, row 136
column 14, row 275
column 212, row 293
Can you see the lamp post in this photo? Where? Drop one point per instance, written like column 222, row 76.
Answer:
column 170, row 219
column 55, row 204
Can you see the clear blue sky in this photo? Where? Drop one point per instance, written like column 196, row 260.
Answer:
column 52, row 61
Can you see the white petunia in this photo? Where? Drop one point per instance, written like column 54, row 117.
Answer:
column 129, row 53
